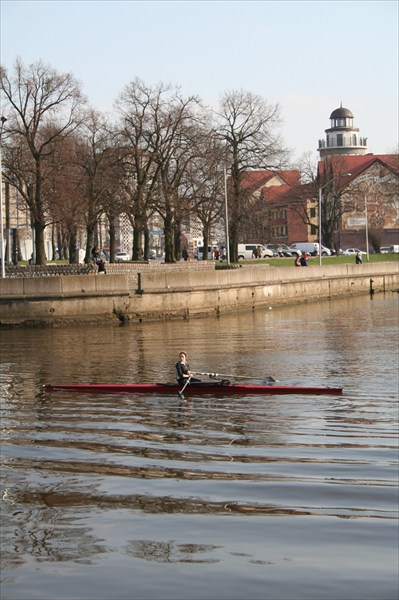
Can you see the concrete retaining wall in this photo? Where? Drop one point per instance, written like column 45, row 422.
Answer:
column 50, row 301
column 166, row 295
column 182, row 293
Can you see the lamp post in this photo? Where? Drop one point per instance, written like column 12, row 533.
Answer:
column 367, row 227
column 2, row 248
column 226, row 216
column 321, row 188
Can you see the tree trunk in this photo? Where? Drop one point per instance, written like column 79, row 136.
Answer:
column 89, row 244
column 38, row 217
column 137, row 239
column 177, row 239
column 53, row 243
column 112, row 238
column 206, row 244
column 40, row 252
column 73, row 254
column 146, row 243
column 60, row 244
column 235, row 216
column 169, row 238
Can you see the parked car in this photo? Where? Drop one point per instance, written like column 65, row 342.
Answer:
column 246, row 251
column 311, row 248
column 389, row 249
column 353, row 252
column 280, row 249
column 122, row 257
column 296, row 252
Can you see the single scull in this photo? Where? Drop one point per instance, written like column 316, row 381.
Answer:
column 216, row 388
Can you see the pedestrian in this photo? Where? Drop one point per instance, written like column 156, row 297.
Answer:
column 304, row 259
column 255, row 252
column 184, row 254
column 358, row 258
column 297, row 262
column 98, row 260
column 216, row 253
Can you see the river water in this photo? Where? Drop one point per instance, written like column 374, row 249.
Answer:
column 267, row 497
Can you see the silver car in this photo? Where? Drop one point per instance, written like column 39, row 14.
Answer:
column 353, row 252
column 122, row 257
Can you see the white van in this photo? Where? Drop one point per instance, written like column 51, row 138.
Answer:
column 311, row 248
column 199, row 252
column 394, row 249
column 246, row 251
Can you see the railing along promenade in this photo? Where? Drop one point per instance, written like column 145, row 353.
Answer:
column 59, row 295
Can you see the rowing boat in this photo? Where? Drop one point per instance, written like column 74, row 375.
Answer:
column 215, row 388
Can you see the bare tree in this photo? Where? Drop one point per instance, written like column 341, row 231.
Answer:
column 138, row 106
column 178, row 134
column 204, row 186
column 332, row 185
column 35, row 97
column 248, row 128
column 307, row 166
column 94, row 158
column 63, row 194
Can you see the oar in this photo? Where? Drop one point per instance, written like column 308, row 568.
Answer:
column 184, row 387
column 268, row 378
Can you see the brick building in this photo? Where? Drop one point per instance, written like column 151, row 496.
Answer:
column 368, row 191
column 365, row 185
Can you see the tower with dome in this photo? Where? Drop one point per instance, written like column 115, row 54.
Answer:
column 342, row 137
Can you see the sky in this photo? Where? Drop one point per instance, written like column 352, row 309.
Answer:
column 306, row 56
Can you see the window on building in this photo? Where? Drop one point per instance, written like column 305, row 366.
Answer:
column 313, row 230
column 339, row 139
column 312, row 212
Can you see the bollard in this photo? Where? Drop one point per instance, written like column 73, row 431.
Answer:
column 371, row 288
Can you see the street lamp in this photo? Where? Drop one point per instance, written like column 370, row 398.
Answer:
column 2, row 248
column 367, row 228
column 321, row 188
column 226, row 216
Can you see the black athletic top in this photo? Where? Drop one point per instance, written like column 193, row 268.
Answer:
column 181, row 369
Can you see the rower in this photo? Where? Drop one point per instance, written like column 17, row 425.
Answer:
column 183, row 370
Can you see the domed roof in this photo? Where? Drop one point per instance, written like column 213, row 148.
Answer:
column 341, row 113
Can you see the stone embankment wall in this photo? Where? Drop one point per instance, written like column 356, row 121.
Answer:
column 180, row 291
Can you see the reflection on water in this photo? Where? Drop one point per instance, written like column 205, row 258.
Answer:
column 157, row 497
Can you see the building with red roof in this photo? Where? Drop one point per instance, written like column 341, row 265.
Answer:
column 357, row 192
column 369, row 195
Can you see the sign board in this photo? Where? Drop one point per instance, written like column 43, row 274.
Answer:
column 357, row 222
